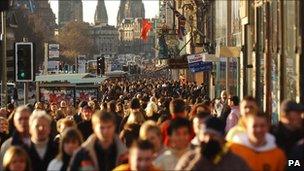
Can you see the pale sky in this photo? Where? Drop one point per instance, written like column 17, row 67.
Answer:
column 89, row 6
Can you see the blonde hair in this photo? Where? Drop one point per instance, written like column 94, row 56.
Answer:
column 151, row 108
column 13, row 152
column 66, row 122
column 136, row 117
column 37, row 114
column 147, row 127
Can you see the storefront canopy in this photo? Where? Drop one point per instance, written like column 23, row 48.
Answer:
column 228, row 51
column 85, row 78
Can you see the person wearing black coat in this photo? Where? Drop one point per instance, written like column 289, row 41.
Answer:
column 42, row 149
column 77, row 117
column 85, row 127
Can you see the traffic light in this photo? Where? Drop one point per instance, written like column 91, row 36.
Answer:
column 24, row 61
column 101, row 65
column 4, row 5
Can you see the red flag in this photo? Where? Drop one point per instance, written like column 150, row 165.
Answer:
column 146, row 26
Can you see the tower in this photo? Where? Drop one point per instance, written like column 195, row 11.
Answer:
column 101, row 16
column 130, row 9
column 69, row 10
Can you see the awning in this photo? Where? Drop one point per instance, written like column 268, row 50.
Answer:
column 84, row 78
column 228, row 51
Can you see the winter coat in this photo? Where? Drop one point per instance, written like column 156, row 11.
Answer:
column 193, row 160
column 286, row 138
column 39, row 164
column 267, row 157
column 86, row 158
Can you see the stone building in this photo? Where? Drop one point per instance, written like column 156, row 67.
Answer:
column 130, row 9
column 130, row 38
column 105, row 36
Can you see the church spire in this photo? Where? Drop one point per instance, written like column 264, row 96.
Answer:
column 101, row 16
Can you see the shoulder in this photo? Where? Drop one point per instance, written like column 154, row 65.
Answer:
column 123, row 167
column 6, row 144
column 55, row 164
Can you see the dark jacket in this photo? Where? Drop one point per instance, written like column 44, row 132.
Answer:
column 85, row 127
column 3, row 137
column 77, row 118
column 39, row 164
column 286, row 139
column 229, row 162
column 86, row 157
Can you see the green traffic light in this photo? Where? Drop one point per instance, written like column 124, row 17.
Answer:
column 22, row 74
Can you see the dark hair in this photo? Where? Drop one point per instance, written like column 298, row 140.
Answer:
column 202, row 114
column 178, row 123
column 103, row 116
column 69, row 134
column 104, row 105
column 130, row 133
column 135, row 103
column 235, row 100
column 142, row 145
column 111, row 106
column 177, row 106
column 10, row 106
column 82, row 104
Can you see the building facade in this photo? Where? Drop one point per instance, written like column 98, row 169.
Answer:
column 272, row 40
column 130, row 40
column 105, row 39
column 130, row 9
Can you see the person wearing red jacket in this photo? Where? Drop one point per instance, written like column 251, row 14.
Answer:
column 177, row 109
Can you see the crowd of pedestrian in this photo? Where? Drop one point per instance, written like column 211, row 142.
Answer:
column 150, row 125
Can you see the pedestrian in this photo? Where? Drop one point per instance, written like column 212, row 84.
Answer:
column 234, row 115
column 21, row 136
column 42, row 149
column 16, row 159
column 3, row 113
column 177, row 110
column 259, row 152
column 4, row 134
column 140, row 158
column 85, row 127
column 150, row 131
column 290, row 128
column 213, row 153
column 63, row 124
column 63, row 108
column 179, row 134
column 129, row 134
column 201, row 114
column 102, row 150
column 222, row 108
column 248, row 106
column 55, row 113
column 151, row 109
column 70, row 142
column 112, row 108
column 135, row 116
column 78, row 116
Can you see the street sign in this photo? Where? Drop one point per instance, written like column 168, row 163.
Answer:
column 196, row 63
column 53, row 51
